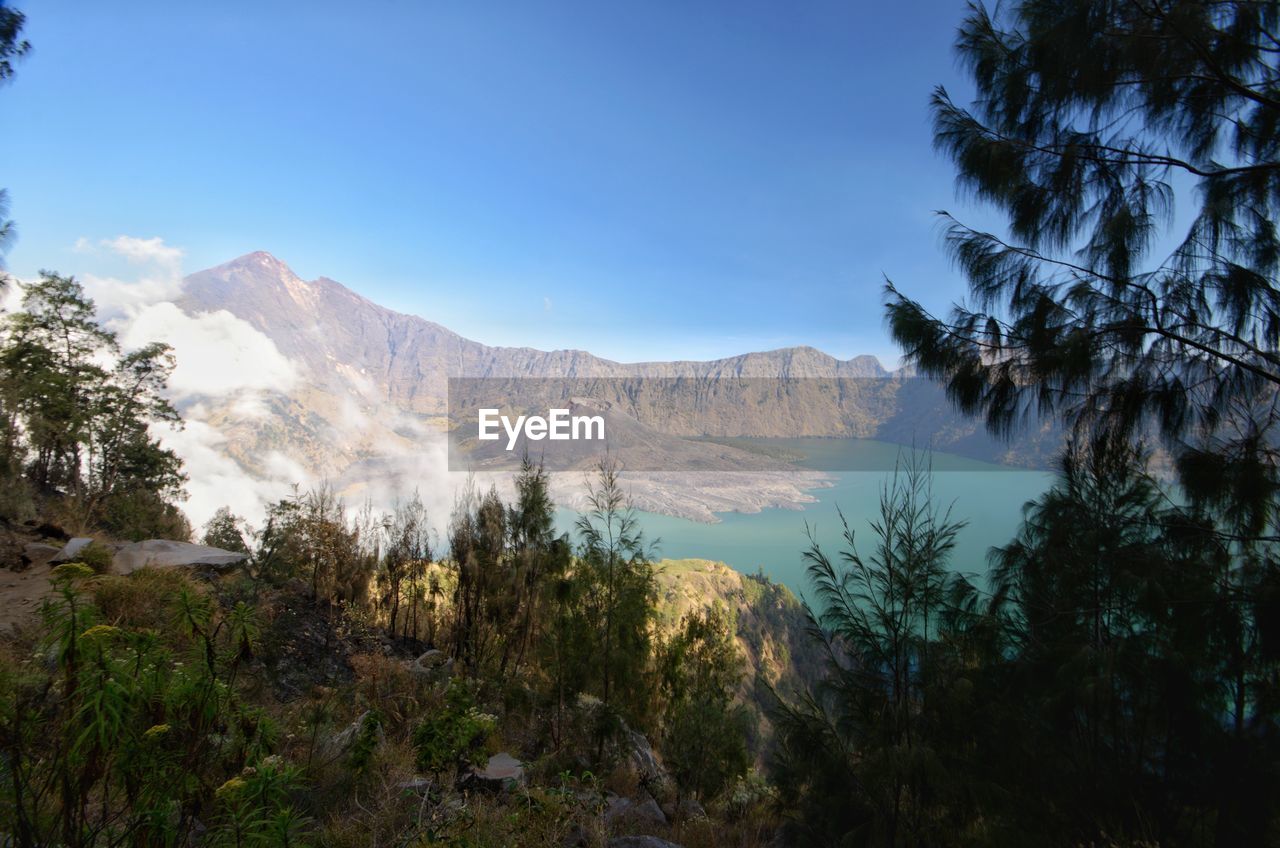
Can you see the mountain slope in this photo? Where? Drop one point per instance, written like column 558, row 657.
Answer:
column 369, row 401
column 327, row 326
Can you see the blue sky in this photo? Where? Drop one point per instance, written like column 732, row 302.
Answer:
column 647, row 180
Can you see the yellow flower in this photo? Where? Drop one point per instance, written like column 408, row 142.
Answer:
column 100, row 630
column 230, row 789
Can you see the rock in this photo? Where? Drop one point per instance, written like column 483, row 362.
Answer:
column 341, row 742
column 71, row 550
column 432, row 664
column 48, row 530
column 646, row 763
column 162, row 553
column 432, row 659
column 643, row 811
column 640, row 842
column 503, row 772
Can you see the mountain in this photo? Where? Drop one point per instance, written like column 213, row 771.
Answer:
column 321, row 323
column 369, row 399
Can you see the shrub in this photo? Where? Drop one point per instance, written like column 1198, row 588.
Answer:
column 141, row 729
column 453, row 734
column 142, row 599
column 16, row 502
column 98, row 557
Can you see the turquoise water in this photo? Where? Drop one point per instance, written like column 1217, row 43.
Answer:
column 989, row 497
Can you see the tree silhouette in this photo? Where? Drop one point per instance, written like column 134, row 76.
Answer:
column 1093, row 306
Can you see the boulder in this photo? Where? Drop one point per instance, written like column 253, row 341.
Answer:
column 433, row 663
column 162, row 553
column 645, row 762
column 340, row 743
column 642, row 811
column 48, row 530
column 433, row 658
column 503, row 772
column 71, row 550
column 640, row 842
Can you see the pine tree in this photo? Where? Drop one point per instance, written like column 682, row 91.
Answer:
column 617, row 592
column 857, row 755
column 52, row 364
column 703, row 731
column 1090, row 120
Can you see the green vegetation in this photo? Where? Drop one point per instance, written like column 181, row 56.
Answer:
column 1114, row 680
column 74, row 436
column 1085, row 157
column 704, row 733
column 453, row 735
column 96, row 557
column 277, row 704
column 118, row 738
column 1114, row 683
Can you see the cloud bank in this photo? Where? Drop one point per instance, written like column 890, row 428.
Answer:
column 229, row 373
column 220, row 358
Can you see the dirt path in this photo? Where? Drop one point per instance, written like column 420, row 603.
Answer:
column 21, row 593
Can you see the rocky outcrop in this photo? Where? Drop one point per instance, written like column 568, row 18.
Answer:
column 641, row 811
column 772, row 631
column 38, row 553
column 502, row 773
column 162, row 553
column 648, row 768
column 640, row 842
column 432, row 665
column 71, row 550
column 341, row 743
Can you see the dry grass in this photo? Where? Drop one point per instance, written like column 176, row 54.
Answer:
column 141, row 599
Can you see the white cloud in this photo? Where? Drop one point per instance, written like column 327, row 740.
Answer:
column 394, row 476
column 137, row 250
column 218, row 353
column 218, row 480
column 116, row 298
column 220, row 358
column 11, row 296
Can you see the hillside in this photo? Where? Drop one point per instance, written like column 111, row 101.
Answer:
column 771, row 630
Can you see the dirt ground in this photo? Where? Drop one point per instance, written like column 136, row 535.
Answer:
column 21, row 593
column 25, row 550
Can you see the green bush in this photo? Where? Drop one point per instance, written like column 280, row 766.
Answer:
column 453, row 734
column 144, row 727
column 98, row 557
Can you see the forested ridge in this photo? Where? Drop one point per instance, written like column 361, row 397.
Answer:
column 356, row 679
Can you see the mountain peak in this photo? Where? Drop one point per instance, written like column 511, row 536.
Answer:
column 260, row 260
